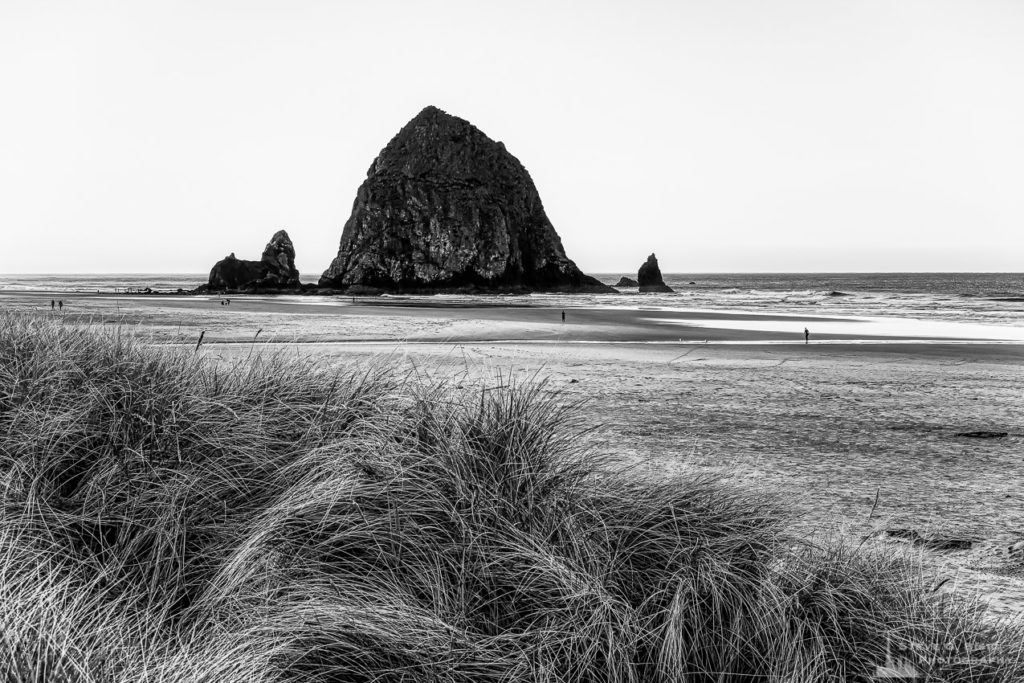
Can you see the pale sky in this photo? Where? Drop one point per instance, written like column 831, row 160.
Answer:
column 724, row 135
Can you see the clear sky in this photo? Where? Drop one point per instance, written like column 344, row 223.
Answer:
column 724, row 135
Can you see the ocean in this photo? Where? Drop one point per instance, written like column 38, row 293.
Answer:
column 982, row 298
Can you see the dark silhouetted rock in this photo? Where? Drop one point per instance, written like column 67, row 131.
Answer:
column 948, row 543
column 444, row 207
column 649, row 277
column 627, row 282
column 932, row 541
column 982, row 435
column 275, row 270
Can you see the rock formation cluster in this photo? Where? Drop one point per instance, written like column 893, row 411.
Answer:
column 649, row 277
column 443, row 208
column 275, row 269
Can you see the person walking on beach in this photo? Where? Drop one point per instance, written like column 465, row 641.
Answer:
column 563, row 316
column 60, row 305
column 52, row 304
column 807, row 336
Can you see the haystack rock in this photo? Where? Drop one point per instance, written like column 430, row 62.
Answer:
column 627, row 282
column 275, row 270
column 649, row 277
column 444, row 207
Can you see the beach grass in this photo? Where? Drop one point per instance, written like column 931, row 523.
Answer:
column 168, row 516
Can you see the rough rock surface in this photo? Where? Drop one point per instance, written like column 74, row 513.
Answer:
column 627, row 282
column 649, row 277
column 444, row 207
column 275, row 270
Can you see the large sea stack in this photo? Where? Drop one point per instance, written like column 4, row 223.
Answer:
column 443, row 208
column 275, row 270
column 649, row 277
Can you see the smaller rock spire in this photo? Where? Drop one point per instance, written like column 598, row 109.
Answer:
column 275, row 270
column 649, row 277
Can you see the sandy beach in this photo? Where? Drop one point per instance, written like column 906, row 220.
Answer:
column 858, row 430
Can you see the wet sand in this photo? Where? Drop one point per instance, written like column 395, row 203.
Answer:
column 833, row 425
column 304, row 319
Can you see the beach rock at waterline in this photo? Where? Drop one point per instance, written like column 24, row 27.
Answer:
column 627, row 282
column 982, row 434
column 444, row 208
column 275, row 269
column 649, row 277
column 932, row 541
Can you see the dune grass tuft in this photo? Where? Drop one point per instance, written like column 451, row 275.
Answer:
column 167, row 517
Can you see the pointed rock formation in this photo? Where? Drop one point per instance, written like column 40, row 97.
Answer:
column 649, row 277
column 444, row 207
column 275, row 270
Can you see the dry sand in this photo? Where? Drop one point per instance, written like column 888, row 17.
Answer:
column 858, row 433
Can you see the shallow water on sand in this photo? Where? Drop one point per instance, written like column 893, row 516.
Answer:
column 993, row 299
column 865, row 327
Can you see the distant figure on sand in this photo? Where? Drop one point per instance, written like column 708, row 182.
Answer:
column 807, row 336
column 563, row 316
column 52, row 304
column 60, row 304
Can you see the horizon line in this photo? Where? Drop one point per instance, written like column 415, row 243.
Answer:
column 611, row 272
